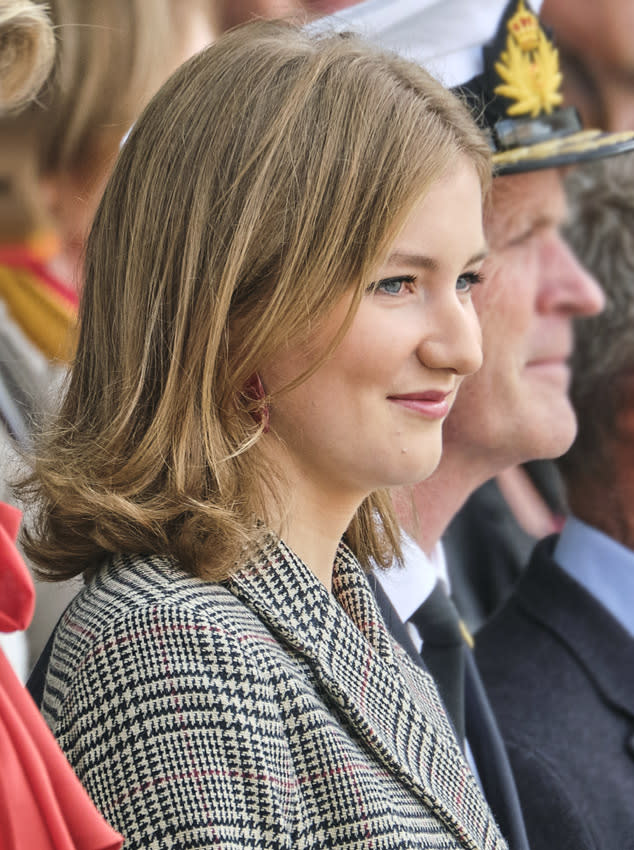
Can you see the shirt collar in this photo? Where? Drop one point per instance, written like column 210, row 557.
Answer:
column 407, row 587
column 602, row 566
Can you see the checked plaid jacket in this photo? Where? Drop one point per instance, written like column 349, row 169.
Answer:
column 262, row 712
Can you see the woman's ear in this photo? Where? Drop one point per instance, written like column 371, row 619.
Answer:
column 254, row 391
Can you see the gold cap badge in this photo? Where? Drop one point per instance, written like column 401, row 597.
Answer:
column 529, row 67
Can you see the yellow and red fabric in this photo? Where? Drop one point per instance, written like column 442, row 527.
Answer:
column 41, row 304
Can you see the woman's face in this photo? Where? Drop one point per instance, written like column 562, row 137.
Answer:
column 371, row 416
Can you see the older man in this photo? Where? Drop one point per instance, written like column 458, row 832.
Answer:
column 516, row 408
column 558, row 659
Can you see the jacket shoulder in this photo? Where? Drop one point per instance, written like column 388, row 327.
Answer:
column 139, row 613
column 165, row 704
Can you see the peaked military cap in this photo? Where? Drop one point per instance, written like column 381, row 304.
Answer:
column 501, row 59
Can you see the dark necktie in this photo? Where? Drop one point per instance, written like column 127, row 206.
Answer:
column 438, row 623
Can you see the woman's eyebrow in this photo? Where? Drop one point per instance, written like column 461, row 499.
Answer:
column 406, row 259
column 424, row 262
column 479, row 257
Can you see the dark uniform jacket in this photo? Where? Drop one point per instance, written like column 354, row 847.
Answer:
column 559, row 671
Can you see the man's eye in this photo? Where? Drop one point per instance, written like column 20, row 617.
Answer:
column 467, row 280
column 392, row 285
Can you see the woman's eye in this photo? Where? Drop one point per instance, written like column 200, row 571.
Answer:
column 467, row 280
column 392, row 285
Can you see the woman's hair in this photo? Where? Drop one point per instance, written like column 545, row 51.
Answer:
column 267, row 178
column 27, row 51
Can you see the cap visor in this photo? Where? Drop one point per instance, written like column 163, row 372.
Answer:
column 565, row 150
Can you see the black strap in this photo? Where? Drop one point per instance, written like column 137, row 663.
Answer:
column 37, row 679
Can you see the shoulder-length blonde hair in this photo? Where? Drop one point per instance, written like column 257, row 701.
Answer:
column 264, row 181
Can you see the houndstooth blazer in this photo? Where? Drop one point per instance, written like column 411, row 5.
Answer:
column 263, row 712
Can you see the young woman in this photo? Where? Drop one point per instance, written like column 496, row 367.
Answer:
column 276, row 320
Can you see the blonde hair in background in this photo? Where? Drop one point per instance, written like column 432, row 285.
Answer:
column 111, row 58
column 264, row 181
column 27, row 51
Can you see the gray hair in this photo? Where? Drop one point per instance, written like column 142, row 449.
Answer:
column 601, row 233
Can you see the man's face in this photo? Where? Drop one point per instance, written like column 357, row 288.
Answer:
column 516, row 407
column 596, row 50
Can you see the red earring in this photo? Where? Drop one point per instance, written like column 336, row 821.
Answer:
column 254, row 391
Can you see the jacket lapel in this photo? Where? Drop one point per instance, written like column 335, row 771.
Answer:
column 391, row 704
column 552, row 597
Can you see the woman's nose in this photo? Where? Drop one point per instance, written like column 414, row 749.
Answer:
column 456, row 343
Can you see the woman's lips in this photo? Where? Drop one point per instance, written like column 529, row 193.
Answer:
column 432, row 404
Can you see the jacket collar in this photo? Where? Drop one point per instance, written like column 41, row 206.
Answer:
column 553, row 598
column 344, row 639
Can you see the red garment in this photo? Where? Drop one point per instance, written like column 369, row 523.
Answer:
column 17, row 594
column 43, row 806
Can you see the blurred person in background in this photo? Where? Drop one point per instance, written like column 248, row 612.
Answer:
column 55, row 156
column 42, row 804
column 232, row 13
column 507, row 515
column 28, row 53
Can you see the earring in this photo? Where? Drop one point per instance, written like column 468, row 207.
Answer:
column 254, row 391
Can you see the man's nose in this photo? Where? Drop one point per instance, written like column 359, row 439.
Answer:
column 565, row 286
